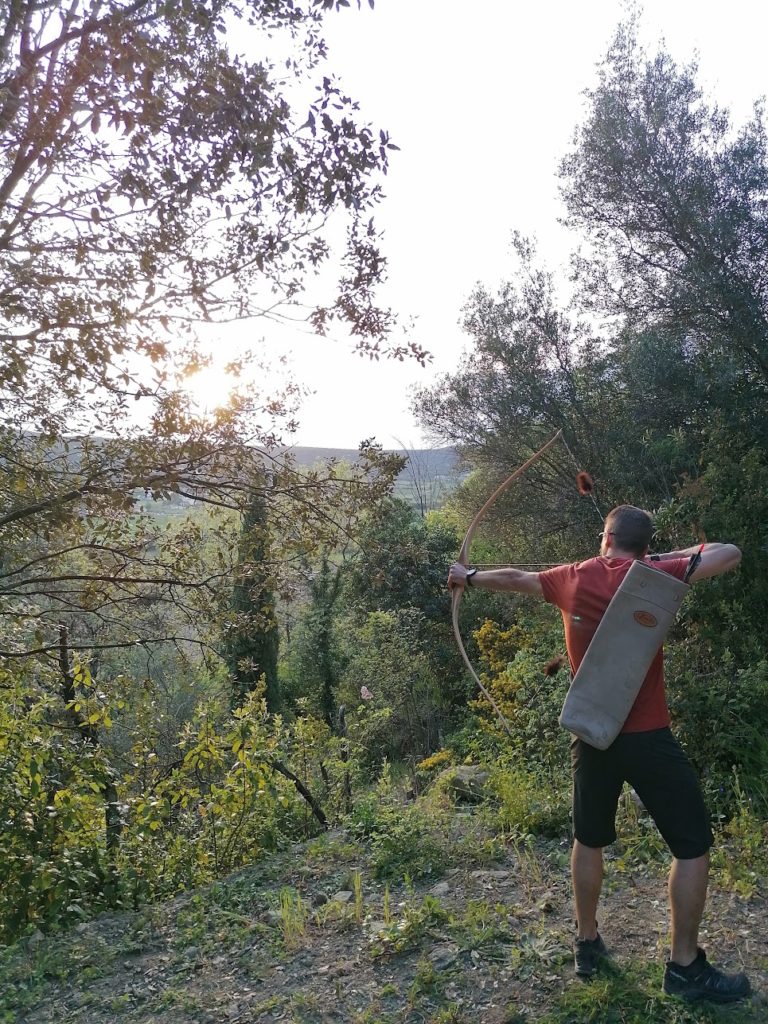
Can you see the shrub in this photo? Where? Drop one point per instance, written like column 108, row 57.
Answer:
column 529, row 804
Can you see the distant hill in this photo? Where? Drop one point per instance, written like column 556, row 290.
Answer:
column 430, row 474
column 439, row 461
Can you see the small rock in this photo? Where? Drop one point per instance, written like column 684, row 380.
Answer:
column 442, row 956
column 466, row 782
column 547, row 903
column 440, row 889
column 346, row 967
column 343, row 896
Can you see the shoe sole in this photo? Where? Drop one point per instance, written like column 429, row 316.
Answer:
column 703, row 997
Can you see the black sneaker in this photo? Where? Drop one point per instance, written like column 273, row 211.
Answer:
column 587, row 954
column 700, row 980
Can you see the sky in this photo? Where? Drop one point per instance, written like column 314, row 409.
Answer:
column 482, row 98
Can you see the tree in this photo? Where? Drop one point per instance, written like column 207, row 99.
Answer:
column 314, row 661
column 153, row 179
column 671, row 198
column 662, row 398
column 401, row 562
column 534, row 368
column 252, row 638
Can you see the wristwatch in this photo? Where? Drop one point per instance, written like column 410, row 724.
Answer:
column 470, row 574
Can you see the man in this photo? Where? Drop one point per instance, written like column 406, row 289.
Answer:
column 645, row 753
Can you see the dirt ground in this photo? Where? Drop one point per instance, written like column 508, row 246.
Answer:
column 311, row 936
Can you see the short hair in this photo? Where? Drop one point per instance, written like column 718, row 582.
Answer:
column 632, row 528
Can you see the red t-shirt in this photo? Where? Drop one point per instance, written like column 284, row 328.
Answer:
column 582, row 591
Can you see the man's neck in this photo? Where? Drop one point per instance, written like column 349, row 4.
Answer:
column 614, row 552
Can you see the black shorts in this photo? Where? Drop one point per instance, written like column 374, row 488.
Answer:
column 654, row 764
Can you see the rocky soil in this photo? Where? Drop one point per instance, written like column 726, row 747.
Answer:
column 311, row 936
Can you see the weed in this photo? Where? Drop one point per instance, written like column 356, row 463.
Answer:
column 387, row 908
column 293, row 917
column 740, row 861
column 482, row 927
column 192, row 924
column 266, row 1006
column 403, row 840
column 119, row 1003
column 426, row 982
column 372, row 1015
column 338, row 851
column 415, row 922
column 180, row 1000
column 529, row 868
column 535, row 950
column 450, row 1014
column 529, row 805
column 472, row 849
column 357, row 886
column 304, row 1006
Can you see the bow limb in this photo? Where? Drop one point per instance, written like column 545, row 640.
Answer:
column 464, row 552
column 464, row 560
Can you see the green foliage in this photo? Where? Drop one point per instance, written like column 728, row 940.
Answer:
column 315, row 661
column 706, row 688
column 53, row 863
column 530, row 700
column 389, row 656
column 405, row 840
column 633, row 996
column 482, row 927
column 215, row 802
column 528, row 803
column 408, row 930
column 252, row 637
column 740, row 857
column 402, row 562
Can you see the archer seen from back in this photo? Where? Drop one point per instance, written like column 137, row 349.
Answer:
column 645, row 753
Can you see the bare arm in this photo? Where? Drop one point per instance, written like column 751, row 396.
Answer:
column 715, row 559
column 514, row 580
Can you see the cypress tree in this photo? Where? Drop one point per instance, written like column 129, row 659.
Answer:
column 252, row 641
